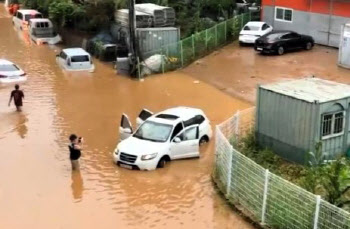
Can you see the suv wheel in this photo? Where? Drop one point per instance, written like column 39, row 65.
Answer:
column 280, row 50
column 161, row 163
column 203, row 140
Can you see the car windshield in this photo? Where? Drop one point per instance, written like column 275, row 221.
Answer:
column 154, row 131
column 30, row 16
column 80, row 58
column 251, row 28
column 8, row 68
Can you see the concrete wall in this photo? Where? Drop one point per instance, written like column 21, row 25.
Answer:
column 324, row 28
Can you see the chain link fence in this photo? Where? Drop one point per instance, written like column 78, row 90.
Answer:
column 266, row 197
column 186, row 51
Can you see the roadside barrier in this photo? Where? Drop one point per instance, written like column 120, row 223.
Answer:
column 265, row 197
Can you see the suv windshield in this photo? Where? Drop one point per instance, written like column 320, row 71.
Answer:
column 30, row 16
column 154, row 131
column 8, row 68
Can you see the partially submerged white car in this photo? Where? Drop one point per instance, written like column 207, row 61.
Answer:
column 21, row 18
column 172, row 134
column 75, row 59
column 11, row 73
column 41, row 31
column 252, row 31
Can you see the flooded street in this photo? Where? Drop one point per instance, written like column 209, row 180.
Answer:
column 37, row 187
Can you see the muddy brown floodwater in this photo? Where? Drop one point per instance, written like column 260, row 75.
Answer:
column 37, row 187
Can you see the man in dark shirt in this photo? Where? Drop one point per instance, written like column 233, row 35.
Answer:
column 75, row 148
column 17, row 96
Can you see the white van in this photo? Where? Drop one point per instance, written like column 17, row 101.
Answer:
column 41, row 31
column 75, row 59
column 22, row 17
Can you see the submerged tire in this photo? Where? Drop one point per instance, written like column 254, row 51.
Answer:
column 203, row 140
column 162, row 162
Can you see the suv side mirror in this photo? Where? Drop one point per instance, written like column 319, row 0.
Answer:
column 177, row 140
column 128, row 131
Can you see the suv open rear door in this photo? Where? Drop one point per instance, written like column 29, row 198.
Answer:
column 125, row 129
column 143, row 116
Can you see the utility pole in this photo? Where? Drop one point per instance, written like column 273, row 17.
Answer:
column 133, row 46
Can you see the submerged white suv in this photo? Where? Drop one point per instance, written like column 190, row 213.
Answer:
column 173, row 134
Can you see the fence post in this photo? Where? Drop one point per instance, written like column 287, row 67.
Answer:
column 193, row 50
column 163, row 56
column 263, row 211
column 237, row 125
column 317, row 211
column 182, row 54
column 225, row 30
column 206, row 39
column 228, row 183
column 216, row 35
column 138, row 68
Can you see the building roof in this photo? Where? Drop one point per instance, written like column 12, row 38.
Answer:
column 75, row 52
column 310, row 89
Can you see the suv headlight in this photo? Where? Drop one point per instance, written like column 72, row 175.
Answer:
column 147, row 157
column 116, row 152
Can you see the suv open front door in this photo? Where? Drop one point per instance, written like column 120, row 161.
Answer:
column 143, row 116
column 186, row 144
column 125, row 129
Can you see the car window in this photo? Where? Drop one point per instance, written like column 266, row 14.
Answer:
column 42, row 25
column 8, row 68
column 63, row 55
column 198, row 119
column 290, row 36
column 191, row 134
column 83, row 58
column 251, row 28
column 178, row 128
column 265, row 26
column 19, row 15
column 30, row 16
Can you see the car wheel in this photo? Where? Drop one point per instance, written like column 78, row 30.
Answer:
column 203, row 140
column 280, row 50
column 308, row 46
column 161, row 163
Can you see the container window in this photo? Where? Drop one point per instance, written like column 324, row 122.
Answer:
column 333, row 124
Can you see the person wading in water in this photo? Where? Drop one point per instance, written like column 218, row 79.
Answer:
column 17, row 96
column 75, row 148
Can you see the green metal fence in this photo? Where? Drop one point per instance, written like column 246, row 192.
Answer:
column 188, row 50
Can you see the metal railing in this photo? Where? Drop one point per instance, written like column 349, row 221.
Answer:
column 268, row 198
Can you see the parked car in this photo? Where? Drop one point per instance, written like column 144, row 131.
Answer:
column 11, row 73
column 252, row 31
column 41, row 30
column 172, row 134
column 22, row 17
column 281, row 41
column 75, row 59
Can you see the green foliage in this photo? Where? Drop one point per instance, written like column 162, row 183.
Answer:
column 63, row 12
